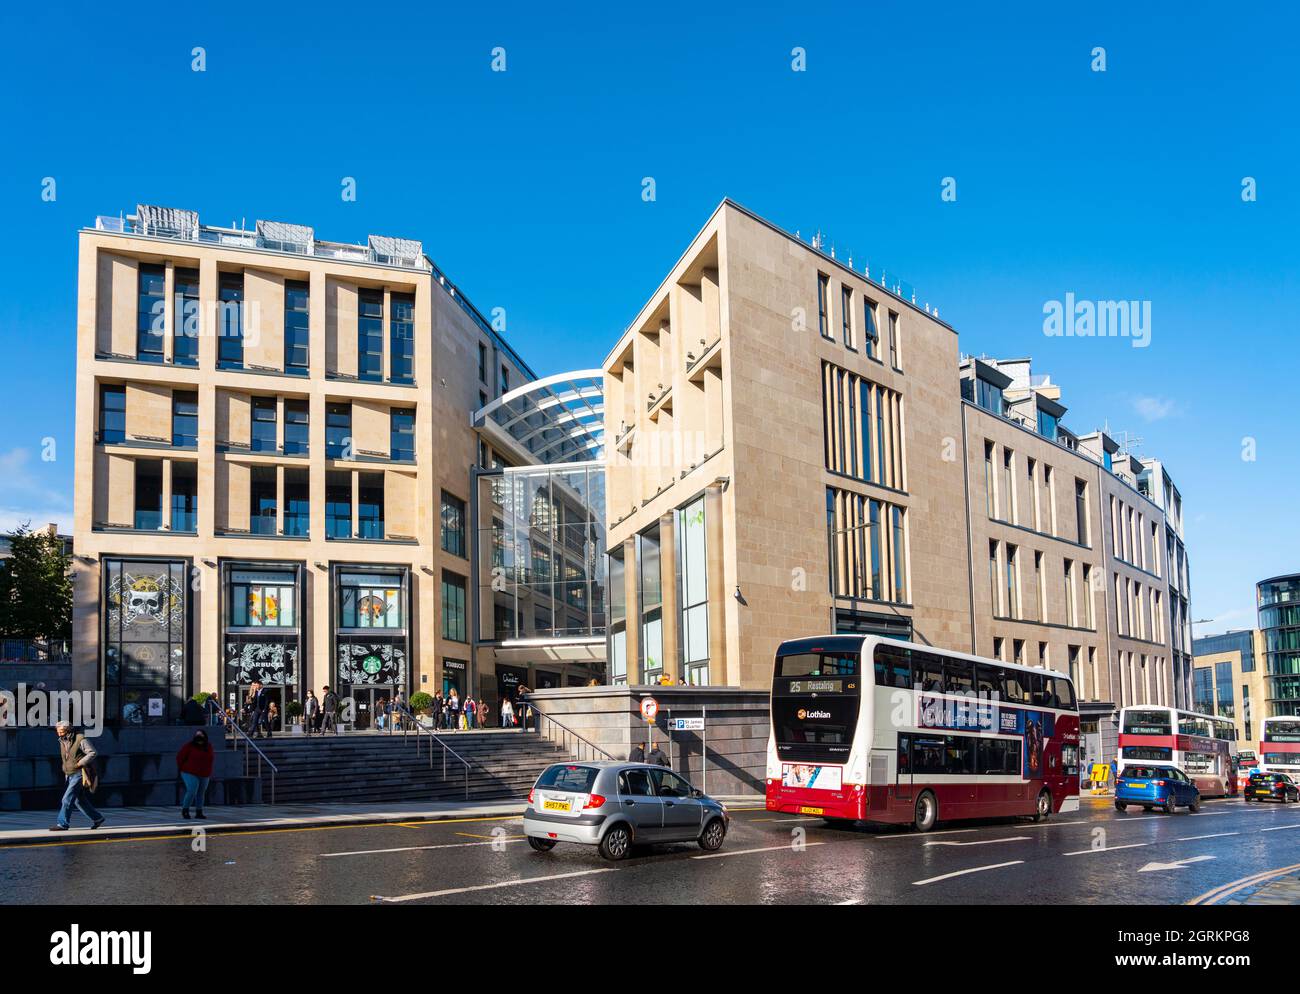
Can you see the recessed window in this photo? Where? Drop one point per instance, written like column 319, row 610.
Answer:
column 261, row 500
column 870, row 331
column 151, row 314
column 148, row 494
column 263, row 431
column 185, row 317
column 296, row 428
column 453, row 607
column 338, row 504
column 297, row 502
column 185, row 419
column 185, row 496
column 297, row 330
column 370, row 335
column 230, row 320
column 823, row 305
column 846, row 316
column 895, row 346
column 112, row 413
column 453, row 524
column 338, row 431
column 402, row 445
column 401, row 329
column 370, row 506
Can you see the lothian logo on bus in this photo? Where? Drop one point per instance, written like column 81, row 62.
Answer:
column 805, row 714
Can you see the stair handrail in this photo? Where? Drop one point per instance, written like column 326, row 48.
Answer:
column 232, row 725
column 446, row 749
column 569, row 733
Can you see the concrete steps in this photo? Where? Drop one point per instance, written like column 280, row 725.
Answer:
column 351, row 768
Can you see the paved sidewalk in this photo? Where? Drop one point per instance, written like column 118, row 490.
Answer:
column 1283, row 890
column 26, row 827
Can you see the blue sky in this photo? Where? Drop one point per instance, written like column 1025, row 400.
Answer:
column 525, row 186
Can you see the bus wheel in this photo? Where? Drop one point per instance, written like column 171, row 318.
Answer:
column 1044, row 809
column 927, row 812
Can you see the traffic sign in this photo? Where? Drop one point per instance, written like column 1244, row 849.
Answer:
column 688, row 724
column 649, row 708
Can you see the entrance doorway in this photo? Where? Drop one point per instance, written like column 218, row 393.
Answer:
column 367, row 706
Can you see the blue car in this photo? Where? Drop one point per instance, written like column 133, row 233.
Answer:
column 1164, row 787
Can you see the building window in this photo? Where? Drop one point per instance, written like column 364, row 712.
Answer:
column 997, row 648
column 823, row 305
column 1070, row 617
column 870, row 330
column 895, row 355
column 1089, row 620
column 401, row 330
column 990, row 398
column 993, row 577
column 1008, row 485
column 402, row 434
column 185, row 317
column 338, row 504
column 230, row 322
column 990, row 500
column 482, row 369
column 148, row 494
column 263, row 435
column 1013, row 591
column 151, row 315
column 1081, row 510
column 1247, row 709
column 867, row 547
column 453, row 607
column 505, row 379
column 1073, row 664
column 296, row 428
column 297, row 329
column 1018, row 651
column 338, row 431
column 1040, row 606
column 370, row 335
column 185, row 496
column 1047, row 424
column 846, row 316
column 262, row 600
column 112, row 413
column 297, row 503
column 371, row 600
column 862, row 428
column 651, row 607
column 898, row 553
column 694, row 628
column 185, row 419
column 1092, row 673
column 261, row 500
column 1032, row 478
column 370, row 506
column 453, row 524
column 1049, row 485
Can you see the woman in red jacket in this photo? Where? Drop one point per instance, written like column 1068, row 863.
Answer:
column 195, row 763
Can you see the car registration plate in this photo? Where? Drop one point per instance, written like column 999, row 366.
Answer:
column 812, row 811
column 1262, row 793
column 556, row 806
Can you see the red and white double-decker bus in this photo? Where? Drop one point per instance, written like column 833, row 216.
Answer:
column 1280, row 750
column 1201, row 745
column 875, row 729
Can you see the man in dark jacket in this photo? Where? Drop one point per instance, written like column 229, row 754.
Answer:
column 657, row 757
column 258, row 704
column 637, row 755
column 78, row 757
column 329, row 710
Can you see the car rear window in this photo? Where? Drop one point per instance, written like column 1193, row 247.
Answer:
column 1269, row 778
column 579, row 779
column 1143, row 773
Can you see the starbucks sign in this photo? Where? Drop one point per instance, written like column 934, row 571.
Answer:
column 372, row 664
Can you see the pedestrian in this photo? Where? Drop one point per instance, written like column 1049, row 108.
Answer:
column 471, row 713
column 259, row 703
column 381, row 713
column 637, row 754
column 681, row 682
column 522, row 706
column 665, row 680
column 78, row 757
column 329, row 710
column 399, row 711
column 657, row 757
column 507, row 713
column 483, row 714
column 194, row 760
column 310, row 712
column 272, row 718
column 453, row 709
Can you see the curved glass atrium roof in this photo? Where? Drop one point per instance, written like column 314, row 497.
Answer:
column 557, row 419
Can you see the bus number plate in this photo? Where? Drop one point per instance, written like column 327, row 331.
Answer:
column 812, row 811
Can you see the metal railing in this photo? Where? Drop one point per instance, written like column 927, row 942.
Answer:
column 35, row 651
column 233, row 734
column 411, row 723
column 568, row 737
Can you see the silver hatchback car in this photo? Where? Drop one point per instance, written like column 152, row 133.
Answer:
column 617, row 805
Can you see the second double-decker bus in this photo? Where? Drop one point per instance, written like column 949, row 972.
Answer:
column 1280, row 750
column 876, row 729
column 1201, row 745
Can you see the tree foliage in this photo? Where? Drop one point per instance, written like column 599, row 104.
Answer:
column 36, row 587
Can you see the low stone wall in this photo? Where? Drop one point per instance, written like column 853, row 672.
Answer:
column 728, row 757
column 137, row 767
column 45, row 676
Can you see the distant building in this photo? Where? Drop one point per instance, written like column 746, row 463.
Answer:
column 1228, row 680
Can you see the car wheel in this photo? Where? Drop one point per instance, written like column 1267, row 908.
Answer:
column 541, row 845
column 711, row 838
column 1246, row 798
column 1170, row 806
column 1121, row 806
column 1043, row 810
column 616, row 843
column 926, row 813
column 1195, row 806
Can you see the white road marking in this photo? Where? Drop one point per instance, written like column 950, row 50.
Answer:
column 1197, row 838
column 745, row 852
column 1177, row 865
column 1279, row 828
column 1054, row 824
column 1085, row 852
column 504, row 883
column 852, row 900
column 962, row 873
column 756, row 820
column 449, row 845
column 982, row 842
column 917, row 835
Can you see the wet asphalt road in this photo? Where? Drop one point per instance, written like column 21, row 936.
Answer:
column 1093, row 856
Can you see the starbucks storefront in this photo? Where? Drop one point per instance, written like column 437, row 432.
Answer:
column 371, row 638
